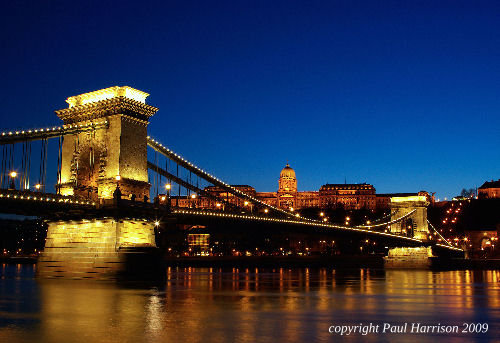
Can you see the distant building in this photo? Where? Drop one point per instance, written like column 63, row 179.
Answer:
column 489, row 190
column 346, row 196
column 481, row 240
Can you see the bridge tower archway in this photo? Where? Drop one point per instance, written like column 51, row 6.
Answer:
column 414, row 210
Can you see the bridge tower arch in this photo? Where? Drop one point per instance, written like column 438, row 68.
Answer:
column 415, row 224
column 94, row 162
column 413, row 211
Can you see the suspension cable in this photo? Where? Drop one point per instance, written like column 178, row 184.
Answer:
column 28, row 164
column 179, row 189
column 444, row 239
column 11, row 163
column 59, row 164
column 4, row 160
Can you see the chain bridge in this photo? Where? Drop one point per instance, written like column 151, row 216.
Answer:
column 115, row 186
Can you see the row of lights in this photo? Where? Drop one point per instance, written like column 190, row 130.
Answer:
column 10, row 133
column 310, row 222
column 436, row 231
column 13, row 175
column 29, row 197
column 246, row 203
column 55, row 128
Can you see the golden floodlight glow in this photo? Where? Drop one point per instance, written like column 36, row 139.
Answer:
column 107, row 93
column 193, row 196
column 321, row 214
column 157, row 223
column 246, row 203
column 37, row 186
column 409, row 198
column 118, row 177
column 168, row 186
column 13, row 174
column 266, row 210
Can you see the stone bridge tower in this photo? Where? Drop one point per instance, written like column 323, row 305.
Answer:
column 110, row 151
column 414, row 225
column 94, row 162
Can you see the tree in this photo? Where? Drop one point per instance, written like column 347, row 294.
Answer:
column 468, row 193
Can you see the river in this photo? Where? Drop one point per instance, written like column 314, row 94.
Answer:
column 250, row 305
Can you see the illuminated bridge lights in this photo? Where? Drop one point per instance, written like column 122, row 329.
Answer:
column 162, row 149
column 46, row 199
column 31, row 133
column 299, row 222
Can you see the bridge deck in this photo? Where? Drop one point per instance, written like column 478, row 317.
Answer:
column 56, row 207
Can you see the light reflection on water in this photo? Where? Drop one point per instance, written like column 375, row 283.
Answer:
column 245, row 305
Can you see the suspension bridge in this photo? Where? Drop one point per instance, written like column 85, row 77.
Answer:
column 114, row 185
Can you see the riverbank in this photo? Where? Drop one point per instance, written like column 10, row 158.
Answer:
column 334, row 262
column 19, row 259
column 339, row 261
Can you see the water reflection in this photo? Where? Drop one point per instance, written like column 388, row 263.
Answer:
column 243, row 305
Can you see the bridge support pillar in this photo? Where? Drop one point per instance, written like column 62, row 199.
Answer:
column 412, row 258
column 98, row 249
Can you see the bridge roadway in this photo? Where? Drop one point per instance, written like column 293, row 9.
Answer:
column 56, row 207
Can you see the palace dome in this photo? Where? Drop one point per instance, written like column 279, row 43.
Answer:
column 287, row 172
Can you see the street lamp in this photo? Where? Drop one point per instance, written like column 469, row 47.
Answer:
column 168, row 187
column 193, row 196
column 117, row 194
column 12, row 175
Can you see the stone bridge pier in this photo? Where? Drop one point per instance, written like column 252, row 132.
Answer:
column 98, row 249
column 413, row 225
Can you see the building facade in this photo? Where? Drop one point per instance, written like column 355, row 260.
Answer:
column 347, row 196
column 489, row 190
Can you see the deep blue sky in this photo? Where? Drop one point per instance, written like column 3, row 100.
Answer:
column 404, row 95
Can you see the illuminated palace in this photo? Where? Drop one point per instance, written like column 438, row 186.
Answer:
column 347, row 196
